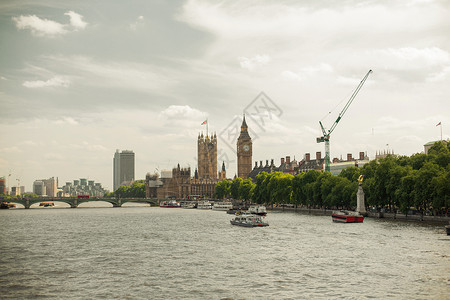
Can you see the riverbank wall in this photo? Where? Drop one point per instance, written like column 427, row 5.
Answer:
column 375, row 215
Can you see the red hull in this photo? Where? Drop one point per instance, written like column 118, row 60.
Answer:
column 347, row 218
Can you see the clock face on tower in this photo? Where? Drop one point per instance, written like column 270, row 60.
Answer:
column 246, row 148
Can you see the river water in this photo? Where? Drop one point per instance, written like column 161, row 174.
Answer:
column 171, row 253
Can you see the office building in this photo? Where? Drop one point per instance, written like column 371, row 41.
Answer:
column 123, row 168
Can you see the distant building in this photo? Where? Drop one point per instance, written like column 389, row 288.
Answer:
column 39, row 188
column 428, row 145
column 244, row 152
column 207, row 156
column 2, row 186
column 51, row 186
column 82, row 187
column 123, row 167
column 383, row 154
column 176, row 186
column 307, row 164
column 223, row 172
column 258, row 169
column 295, row 167
column 180, row 184
column 338, row 164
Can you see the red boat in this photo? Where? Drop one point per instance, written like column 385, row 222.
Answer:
column 346, row 216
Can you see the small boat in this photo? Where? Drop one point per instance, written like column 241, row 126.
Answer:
column 235, row 211
column 204, row 205
column 249, row 220
column 347, row 216
column 257, row 210
column 47, row 204
column 188, row 205
column 222, row 206
column 171, row 203
column 5, row 205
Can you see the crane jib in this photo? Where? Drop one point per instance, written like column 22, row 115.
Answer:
column 326, row 136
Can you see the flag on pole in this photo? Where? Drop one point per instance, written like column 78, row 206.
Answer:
column 204, row 122
column 438, row 124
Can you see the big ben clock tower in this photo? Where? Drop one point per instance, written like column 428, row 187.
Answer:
column 244, row 152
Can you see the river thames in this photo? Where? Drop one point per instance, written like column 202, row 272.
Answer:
column 138, row 252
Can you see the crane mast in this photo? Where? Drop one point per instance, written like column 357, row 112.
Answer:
column 326, row 134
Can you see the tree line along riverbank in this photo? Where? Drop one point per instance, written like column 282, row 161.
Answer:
column 417, row 184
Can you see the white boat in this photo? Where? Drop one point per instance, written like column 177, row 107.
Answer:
column 222, row 206
column 249, row 220
column 257, row 210
column 188, row 205
column 204, row 205
column 171, row 203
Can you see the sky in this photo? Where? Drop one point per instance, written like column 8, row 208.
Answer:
column 80, row 79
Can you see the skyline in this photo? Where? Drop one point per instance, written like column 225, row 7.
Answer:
column 79, row 80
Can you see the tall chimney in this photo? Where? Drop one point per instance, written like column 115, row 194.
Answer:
column 288, row 159
column 361, row 155
column 349, row 157
column 307, row 156
column 318, row 155
column 282, row 160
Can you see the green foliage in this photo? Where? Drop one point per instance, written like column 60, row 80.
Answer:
column 421, row 181
column 222, row 189
column 235, row 187
column 136, row 190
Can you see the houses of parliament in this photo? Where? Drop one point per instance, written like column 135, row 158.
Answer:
column 179, row 184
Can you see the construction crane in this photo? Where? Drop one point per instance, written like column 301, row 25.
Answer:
column 326, row 135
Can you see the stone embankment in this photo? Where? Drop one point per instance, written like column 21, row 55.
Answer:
column 377, row 215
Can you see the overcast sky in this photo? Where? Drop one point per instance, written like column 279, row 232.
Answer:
column 80, row 79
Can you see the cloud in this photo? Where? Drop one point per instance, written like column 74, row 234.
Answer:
column 38, row 26
column 53, row 82
column 253, row 62
column 76, row 20
column 308, row 72
column 410, row 57
column 66, row 120
column 138, row 23
column 175, row 112
column 49, row 28
column 13, row 149
column 443, row 75
column 114, row 74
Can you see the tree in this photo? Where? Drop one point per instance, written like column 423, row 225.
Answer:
column 246, row 189
column 351, row 173
column 235, row 187
column 222, row 189
column 424, row 188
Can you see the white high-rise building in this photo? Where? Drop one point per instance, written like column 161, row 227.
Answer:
column 123, row 168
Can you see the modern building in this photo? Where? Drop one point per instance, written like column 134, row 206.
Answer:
column 207, row 156
column 51, row 186
column 83, row 187
column 123, row 168
column 244, row 152
column 39, row 188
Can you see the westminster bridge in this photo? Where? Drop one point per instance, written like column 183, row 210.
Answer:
column 75, row 201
